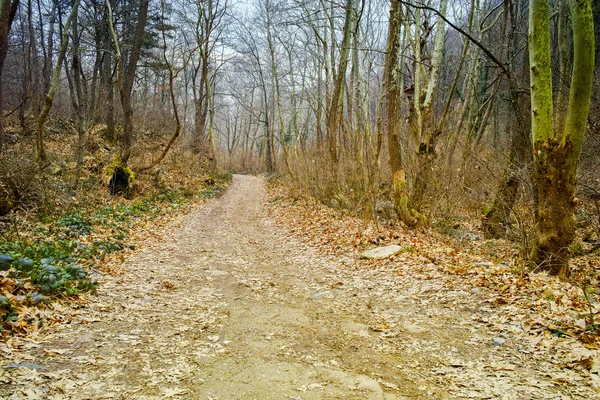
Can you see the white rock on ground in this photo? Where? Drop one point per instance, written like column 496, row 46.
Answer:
column 382, row 252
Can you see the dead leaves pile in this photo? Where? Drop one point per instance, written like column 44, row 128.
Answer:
column 482, row 278
column 27, row 316
column 29, row 312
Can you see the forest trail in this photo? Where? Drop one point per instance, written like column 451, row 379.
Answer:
column 228, row 306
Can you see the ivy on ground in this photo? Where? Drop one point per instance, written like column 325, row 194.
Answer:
column 60, row 256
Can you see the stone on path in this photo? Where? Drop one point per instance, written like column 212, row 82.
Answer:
column 26, row 364
column 382, row 252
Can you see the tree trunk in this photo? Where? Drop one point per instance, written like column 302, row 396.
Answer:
column 270, row 164
column 497, row 218
column 425, row 132
column 275, row 85
column 333, row 119
column 8, row 9
column 49, row 50
column 199, row 144
column 127, row 83
column 107, row 80
column 212, row 155
column 557, row 156
column 100, row 31
column 201, row 110
column 41, row 156
column 33, row 67
column 391, row 80
column 79, row 102
column 109, row 86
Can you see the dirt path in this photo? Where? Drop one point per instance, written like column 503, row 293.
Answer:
column 228, row 306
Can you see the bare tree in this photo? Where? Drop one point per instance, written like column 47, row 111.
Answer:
column 8, row 10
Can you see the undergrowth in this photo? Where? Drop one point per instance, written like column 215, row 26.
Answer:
column 58, row 255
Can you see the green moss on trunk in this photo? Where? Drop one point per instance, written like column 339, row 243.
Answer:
column 557, row 156
column 555, row 225
column 407, row 215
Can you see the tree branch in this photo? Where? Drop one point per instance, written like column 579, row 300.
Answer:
column 462, row 32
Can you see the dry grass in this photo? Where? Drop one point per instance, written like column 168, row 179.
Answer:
column 27, row 190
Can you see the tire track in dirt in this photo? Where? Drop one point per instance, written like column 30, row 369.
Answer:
column 229, row 305
column 225, row 307
column 225, row 304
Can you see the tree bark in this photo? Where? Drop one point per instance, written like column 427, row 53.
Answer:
column 202, row 103
column 391, row 80
column 79, row 102
column 333, row 119
column 8, row 10
column 127, row 83
column 426, row 132
column 41, row 156
column 107, row 80
column 556, row 155
column 33, row 64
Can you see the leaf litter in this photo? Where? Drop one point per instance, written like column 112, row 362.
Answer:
column 490, row 329
column 229, row 300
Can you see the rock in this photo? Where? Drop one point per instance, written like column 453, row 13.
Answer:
column 36, row 298
column 47, row 260
column 322, row 293
column 498, row 341
column 25, row 364
column 382, row 252
column 131, row 246
column 5, row 262
column 484, row 264
column 25, row 263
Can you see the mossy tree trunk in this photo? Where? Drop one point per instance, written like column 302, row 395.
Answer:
column 391, row 84
column 556, row 154
column 425, row 93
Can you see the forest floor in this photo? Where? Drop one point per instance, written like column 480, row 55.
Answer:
column 239, row 301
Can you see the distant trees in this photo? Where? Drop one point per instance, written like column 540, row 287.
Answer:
column 209, row 21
